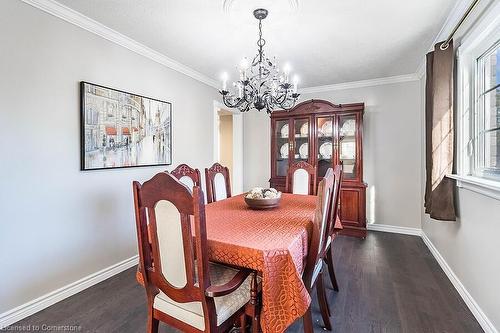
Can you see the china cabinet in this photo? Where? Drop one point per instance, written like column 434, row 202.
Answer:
column 324, row 134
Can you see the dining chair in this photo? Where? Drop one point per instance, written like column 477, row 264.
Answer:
column 301, row 178
column 335, row 224
column 313, row 272
column 187, row 175
column 183, row 289
column 218, row 183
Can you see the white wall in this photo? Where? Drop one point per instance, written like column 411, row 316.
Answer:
column 60, row 224
column 391, row 144
column 470, row 245
column 257, row 143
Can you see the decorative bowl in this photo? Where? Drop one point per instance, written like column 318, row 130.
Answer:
column 263, row 198
column 261, row 204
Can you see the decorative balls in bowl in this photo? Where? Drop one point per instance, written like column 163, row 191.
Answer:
column 263, row 198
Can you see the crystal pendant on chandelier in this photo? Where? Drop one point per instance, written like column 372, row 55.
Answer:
column 261, row 85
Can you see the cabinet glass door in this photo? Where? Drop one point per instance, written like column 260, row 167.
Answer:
column 300, row 141
column 347, row 145
column 282, row 147
column 324, row 145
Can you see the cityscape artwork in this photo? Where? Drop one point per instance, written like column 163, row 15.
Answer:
column 120, row 129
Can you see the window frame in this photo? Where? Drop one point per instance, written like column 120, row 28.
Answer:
column 482, row 39
column 479, row 168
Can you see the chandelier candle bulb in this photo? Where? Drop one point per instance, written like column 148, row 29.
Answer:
column 224, row 82
column 286, row 70
column 240, row 91
column 295, row 83
column 243, row 69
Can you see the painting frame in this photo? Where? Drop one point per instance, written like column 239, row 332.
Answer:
column 83, row 128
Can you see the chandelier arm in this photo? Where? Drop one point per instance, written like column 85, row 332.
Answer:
column 282, row 97
column 226, row 101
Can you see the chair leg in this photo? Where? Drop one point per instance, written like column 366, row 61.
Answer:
column 255, row 304
column 243, row 323
column 323, row 304
column 323, row 285
column 152, row 324
column 308, row 322
column 331, row 270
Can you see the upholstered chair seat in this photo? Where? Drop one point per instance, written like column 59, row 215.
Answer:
column 192, row 312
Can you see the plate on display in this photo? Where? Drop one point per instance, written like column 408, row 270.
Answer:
column 348, row 128
column 284, row 150
column 284, row 131
column 326, row 150
column 304, row 150
column 327, row 128
column 348, row 151
column 304, row 130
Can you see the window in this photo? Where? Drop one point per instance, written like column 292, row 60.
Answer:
column 487, row 152
column 478, row 119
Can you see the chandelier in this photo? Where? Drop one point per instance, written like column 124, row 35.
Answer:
column 261, row 85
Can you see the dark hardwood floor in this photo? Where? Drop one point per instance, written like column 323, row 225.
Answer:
column 388, row 283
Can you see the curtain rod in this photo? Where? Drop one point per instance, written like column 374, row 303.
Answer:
column 445, row 45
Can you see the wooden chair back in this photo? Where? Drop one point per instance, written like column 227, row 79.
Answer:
column 187, row 175
column 337, row 186
column 301, row 178
column 320, row 229
column 218, row 183
column 168, row 250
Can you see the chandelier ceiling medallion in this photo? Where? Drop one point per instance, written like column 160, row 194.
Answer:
column 261, row 85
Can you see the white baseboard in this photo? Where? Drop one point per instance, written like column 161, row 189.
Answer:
column 480, row 316
column 25, row 310
column 394, row 229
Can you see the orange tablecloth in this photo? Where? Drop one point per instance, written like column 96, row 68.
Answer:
column 273, row 242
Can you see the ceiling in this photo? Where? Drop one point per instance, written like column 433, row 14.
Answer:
column 325, row 41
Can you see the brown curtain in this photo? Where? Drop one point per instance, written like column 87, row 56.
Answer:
column 439, row 134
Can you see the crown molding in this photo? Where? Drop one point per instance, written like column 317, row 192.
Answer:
column 71, row 16
column 453, row 17
column 421, row 70
column 361, row 84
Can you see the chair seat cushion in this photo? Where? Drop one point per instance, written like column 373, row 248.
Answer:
column 192, row 312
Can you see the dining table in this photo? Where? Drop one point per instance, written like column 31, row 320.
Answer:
column 273, row 243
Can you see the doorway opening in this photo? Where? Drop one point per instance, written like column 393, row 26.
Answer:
column 228, row 143
column 226, row 139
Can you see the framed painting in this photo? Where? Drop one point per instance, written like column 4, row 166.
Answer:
column 122, row 130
